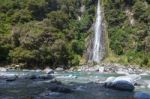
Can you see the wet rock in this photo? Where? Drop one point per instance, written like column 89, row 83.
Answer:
column 101, row 69
column 32, row 77
column 80, row 88
column 141, row 95
column 48, row 71
column 17, row 66
column 56, row 86
column 3, row 69
column 124, row 83
column 13, row 78
column 55, row 82
column 42, row 77
column 137, row 84
column 38, row 70
column 130, row 78
column 59, row 69
column 109, row 79
column 60, row 88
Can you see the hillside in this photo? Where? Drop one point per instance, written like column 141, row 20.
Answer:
column 54, row 32
column 128, row 23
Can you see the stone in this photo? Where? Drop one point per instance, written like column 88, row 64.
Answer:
column 54, row 81
column 130, row 78
column 141, row 95
column 32, row 77
column 13, row 78
column 109, row 79
column 38, row 70
column 59, row 88
column 59, row 69
column 17, row 66
column 101, row 69
column 80, row 88
column 124, row 83
column 3, row 69
column 48, row 71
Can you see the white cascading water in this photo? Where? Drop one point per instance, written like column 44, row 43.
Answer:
column 97, row 44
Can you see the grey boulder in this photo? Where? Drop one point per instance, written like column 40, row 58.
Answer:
column 48, row 71
column 120, row 85
column 124, row 83
column 59, row 87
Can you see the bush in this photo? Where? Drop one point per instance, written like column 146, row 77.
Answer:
column 20, row 55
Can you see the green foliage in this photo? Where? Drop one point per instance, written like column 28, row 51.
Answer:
column 129, row 41
column 53, row 32
column 78, row 47
column 21, row 55
column 44, row 32
column 4, row 50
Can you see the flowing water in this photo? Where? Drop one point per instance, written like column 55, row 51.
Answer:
column 38, row 89
column 97, row 53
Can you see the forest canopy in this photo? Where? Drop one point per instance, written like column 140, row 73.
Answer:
column 54, row 32
column 44, row 32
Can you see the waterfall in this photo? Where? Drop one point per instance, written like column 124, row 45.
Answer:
column 97, row 51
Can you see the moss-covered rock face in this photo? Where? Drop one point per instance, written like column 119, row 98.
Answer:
column 128, row 24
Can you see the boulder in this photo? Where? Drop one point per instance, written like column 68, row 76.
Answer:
column 59, row 69
column 101, row 69
column 124, row 83
column 38, row 77
column 33, row 77
column 38, row 70
column 3, row 69
column 48, row 71
column 141, row 95
column 13, row 78
column 58, row 87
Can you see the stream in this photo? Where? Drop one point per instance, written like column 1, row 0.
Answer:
column 87, row 85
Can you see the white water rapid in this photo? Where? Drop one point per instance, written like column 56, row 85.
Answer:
column 97, row 52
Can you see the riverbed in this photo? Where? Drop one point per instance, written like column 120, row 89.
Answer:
column 85, row 85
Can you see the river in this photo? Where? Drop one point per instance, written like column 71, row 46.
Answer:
column 86, row 85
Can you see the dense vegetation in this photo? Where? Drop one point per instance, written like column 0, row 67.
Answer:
column 53, row 32
column 44, row 32
column 129, row 30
